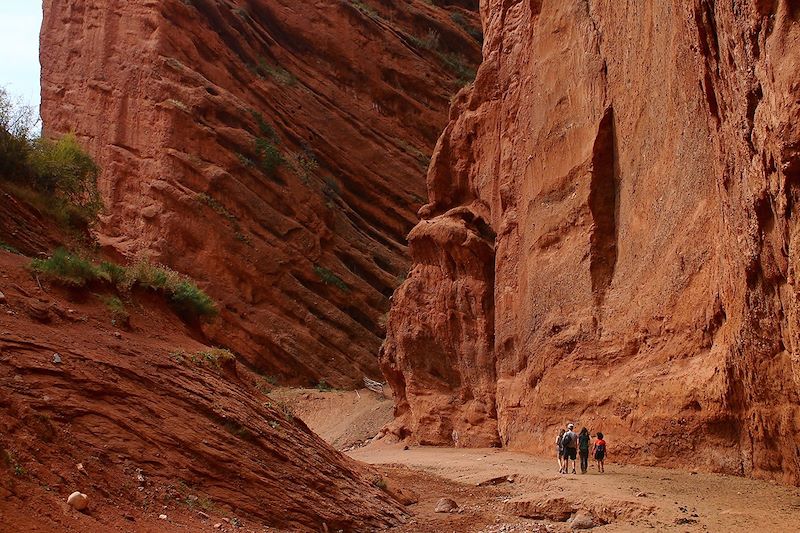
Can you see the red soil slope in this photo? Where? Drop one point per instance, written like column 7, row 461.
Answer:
column 171, row 96
column 612, row 239
column 125, row 402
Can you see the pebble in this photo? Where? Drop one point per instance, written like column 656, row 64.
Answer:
column 217, row 525
column 582, row 521
column 56, row 358
column 162, row 517
column 446, row 505
column 78, row 501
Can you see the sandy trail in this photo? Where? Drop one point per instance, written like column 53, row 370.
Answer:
column 629, row 498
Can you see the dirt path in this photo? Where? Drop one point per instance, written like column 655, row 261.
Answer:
column 627, row 498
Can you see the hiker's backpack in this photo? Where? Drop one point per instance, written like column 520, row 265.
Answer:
column 566, row 440
column 601, row 448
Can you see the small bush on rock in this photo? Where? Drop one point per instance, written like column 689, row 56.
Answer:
column 67, row 269
column 189, row 301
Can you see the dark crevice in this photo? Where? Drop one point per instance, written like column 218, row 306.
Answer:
column 604, row 206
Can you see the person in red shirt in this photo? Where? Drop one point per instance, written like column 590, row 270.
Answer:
column 599, row 452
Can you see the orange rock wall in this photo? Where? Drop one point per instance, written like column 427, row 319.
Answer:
column 171, row 97
column 612, row 239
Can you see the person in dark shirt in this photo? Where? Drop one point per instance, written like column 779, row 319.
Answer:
column 583, row 449
column 570, row 442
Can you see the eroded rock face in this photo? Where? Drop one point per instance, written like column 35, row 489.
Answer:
column 611, row 239
column 274, row 150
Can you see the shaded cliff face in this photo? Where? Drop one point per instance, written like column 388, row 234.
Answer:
column 273, row 150
column 611, row 239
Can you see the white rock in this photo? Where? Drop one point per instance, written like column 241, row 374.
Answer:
column 582, row 521
column 446, row 505
column 162, row 517
column 78, row 501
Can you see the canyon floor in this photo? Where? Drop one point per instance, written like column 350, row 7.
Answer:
column 628, row 498
column 625, row 498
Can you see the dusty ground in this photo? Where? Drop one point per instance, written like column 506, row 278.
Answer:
column 628, row 498
column 345, row 419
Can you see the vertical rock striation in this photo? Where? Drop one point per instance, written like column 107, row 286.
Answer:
column 611, row 238
column 274, row 150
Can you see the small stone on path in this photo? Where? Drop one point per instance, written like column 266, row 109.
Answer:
column 56, row 358
column 446, row 505
column 582, row 521
column 162, row 517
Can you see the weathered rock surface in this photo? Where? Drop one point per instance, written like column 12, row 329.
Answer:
column 446, row 505
column 612, row 238
column 151, row 427
column 187, row 106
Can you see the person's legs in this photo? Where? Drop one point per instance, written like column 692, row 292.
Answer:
column 584, row 460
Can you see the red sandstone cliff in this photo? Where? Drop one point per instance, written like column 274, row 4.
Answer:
column 189, row 106
column 612, row 238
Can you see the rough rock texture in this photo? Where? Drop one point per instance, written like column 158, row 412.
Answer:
column 612, row 239
column 151, row 426
column 189, row 106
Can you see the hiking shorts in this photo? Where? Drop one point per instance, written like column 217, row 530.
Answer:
column 570, row 453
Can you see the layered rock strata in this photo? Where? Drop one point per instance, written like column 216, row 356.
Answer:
column 274, row 150
column 611, row 238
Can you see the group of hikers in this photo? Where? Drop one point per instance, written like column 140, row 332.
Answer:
column 571, row 444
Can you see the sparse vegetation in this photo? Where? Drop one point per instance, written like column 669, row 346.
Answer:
column 55, row 176
column 116, row 308
column 306, row 165
column 277, row 73
column 364, row 8
column 214, row 357
column 67, row 269
column 284, row 409
column 11, row 461
column 8, row 248
column 70, row 269
column 215, row 205
column 268, row 155
column 323, row 386
column 459, row 66
column 380, row 483
column 235, row 428
column 471, row 30
column 429, row 41
column 329, row 278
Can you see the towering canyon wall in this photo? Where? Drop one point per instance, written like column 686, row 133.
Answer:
column 274, row 150
column 611, row 238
